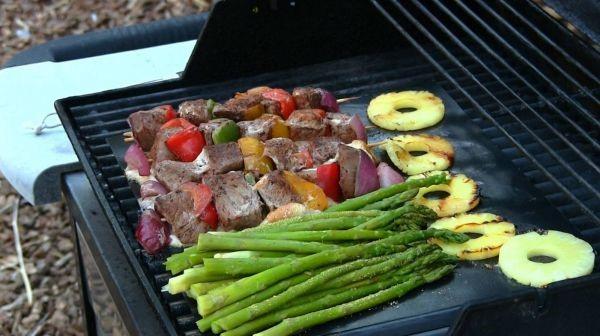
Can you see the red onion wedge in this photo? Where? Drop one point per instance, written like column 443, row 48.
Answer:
column 328, row 101
column 388, row 175
column 152, row 188
column 359, row 128
column 151, row 232
column 366, row 175
column 136, row 159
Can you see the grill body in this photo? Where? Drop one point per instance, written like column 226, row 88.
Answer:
column 536, row 100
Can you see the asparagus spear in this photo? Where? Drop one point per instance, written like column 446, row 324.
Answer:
column 221, row 297
column 210, row 242
column 385, row 218
column 400, row 259
column 190, row 276
column 242, row 266
column 204, row 324
column 202, row 288
column 254, row 254
column 315, row 216
column 318, row 236
column 377, row 195
column 320, row 303
column 294, row 324
column 258, row 309
column 392, row 202
column 189, row 257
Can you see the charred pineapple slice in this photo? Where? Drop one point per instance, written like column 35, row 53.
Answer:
column 463, row 195
column 493, row 229
column 384, row 112
column 573, row 258
column 439, row 153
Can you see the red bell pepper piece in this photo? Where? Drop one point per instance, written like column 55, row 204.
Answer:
column 210, row 216
column 177, row 122
column 170, row 112
column 204, row 208
column 328, row 178
column 285, row 100
column 186, row 144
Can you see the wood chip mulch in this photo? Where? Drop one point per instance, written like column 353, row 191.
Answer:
column 45, row 230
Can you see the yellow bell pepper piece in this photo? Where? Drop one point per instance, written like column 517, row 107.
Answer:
column 251, row 146
column 260, row 164
column 311, row 195
column 254, row 112
column 280, row 130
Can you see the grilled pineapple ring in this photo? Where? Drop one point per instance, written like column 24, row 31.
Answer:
column 574, row 258
column 494, row 233
column 383, row 110
column 439, row 153
column 463, row 195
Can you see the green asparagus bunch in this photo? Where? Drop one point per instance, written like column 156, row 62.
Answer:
column 282, row 277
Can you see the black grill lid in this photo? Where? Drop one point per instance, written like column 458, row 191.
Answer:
column 244, row 38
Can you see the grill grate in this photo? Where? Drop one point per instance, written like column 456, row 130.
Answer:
column 535, row 106
column 523, row 87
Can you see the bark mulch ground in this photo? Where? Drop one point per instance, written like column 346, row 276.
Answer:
column 45, row 230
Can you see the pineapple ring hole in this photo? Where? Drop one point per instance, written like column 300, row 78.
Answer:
column 473, row 235
column 406, row 109
column 417, row 153
column 541, row 259
column 436, row 195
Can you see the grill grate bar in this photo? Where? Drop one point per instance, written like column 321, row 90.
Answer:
column 478, row 107
column 530, row 45
column 548, row 102
column 473, row 77
column 548, row 41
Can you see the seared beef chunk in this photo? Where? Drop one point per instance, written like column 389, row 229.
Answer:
column 286, row 155
column 306, row 98
column 309, row 174
column 279, row 150
column 222, row 158
column 145, row 124
column 177, row 207
column 238, row 205
column 306, row 124
column 324, row 149
column 195, row 111
column 159, row 151
column 348, row 158
column 271, row 106
column 209, row 127
column 258, row 128
column 173, row 174
column 237, row 108
column 339, row 124
column 275, row 191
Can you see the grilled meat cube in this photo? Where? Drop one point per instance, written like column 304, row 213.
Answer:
column 222, row 158
column 145, row 125
column 271, row 106
column 286, row 155
column 309, row 174
column 340, row 127
column 209, row 127
column 258, row 128
column 307, row 98
column 242, row 107
column 307, row 124
column 348, row 159
column 279, row 150
column 275, row 191
column 177, row 207
column 172, row 174
column 237, row 204
column 159, row 151
column 324, row 149
column 195, row 111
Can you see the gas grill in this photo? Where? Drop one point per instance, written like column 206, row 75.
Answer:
column 519, row 77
